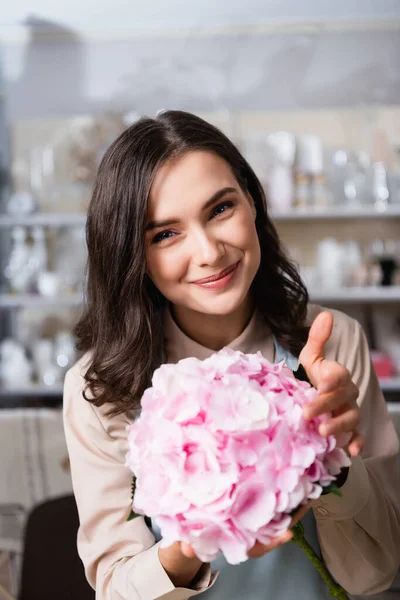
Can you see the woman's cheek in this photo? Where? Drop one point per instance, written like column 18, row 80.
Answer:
column 166, row 267
column 242, row 233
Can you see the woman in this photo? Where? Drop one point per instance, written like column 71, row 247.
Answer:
column 183, row 260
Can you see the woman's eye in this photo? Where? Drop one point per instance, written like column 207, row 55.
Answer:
column 162, row 236
column 221, row 208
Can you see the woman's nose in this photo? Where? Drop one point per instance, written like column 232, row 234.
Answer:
column 207, row 249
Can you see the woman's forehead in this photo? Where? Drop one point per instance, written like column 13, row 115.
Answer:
column 189, row 179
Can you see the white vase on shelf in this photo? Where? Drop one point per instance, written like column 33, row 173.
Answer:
column 47, row 372
column 15, row 368
column 38, row 255
column 64, row 350
column 16, row 270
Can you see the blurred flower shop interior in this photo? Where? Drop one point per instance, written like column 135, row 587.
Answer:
column 310, row 93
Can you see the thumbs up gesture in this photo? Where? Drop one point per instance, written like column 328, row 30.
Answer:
column 337, row 393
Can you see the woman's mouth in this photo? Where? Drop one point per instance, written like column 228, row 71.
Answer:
column 219, row 280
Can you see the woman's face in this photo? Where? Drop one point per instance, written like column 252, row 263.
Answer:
column 202, row 246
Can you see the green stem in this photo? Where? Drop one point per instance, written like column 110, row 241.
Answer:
column 334, row 589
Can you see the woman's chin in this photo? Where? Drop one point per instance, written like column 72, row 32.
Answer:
column 223, row 305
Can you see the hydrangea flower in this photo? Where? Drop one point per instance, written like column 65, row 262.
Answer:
column 222, row 455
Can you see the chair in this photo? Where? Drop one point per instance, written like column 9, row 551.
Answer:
column 51, row 567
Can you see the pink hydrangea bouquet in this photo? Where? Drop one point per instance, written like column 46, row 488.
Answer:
column 222, row 455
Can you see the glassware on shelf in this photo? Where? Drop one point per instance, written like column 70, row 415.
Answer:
column 53, row 185
column 302, row 197
column 60, row 168
column 281, row 148
column 349, row 178
column 312, row 188
column 37, row 262
column 15, row 368
column 361, row 177
column 48, row 373
column 22, row 203
column 389, row 262
column 330, row 264
column 394, row 187
column 384, row 259
column 380, row 189
column 309, row 155
column 354, row 271
column 337, row 175
column 320, row 196
column 48, row 284
column 70, row 259
column 69, row 196
column 28, row 258
column 16, row 271
column 64, row 350
column 37, row 175
column 339, row 264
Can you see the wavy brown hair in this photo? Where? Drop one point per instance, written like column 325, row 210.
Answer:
column 122, row 322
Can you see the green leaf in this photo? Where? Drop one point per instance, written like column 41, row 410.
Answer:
column 133, row 487
column 132, row 515
column 333, row 489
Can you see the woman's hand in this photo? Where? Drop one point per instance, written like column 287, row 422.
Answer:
column 337, row 393
column 181, row 567
column 258, row 549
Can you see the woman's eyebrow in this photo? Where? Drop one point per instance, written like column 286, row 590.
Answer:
column 173, row 221
column 218, row 195
column 157, row 224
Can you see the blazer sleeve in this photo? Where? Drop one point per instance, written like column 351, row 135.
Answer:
column 120, row 557
column 359, row 533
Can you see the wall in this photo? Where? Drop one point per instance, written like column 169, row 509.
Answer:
column 61, row 73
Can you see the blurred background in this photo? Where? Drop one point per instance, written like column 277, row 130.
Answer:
column 308, row 90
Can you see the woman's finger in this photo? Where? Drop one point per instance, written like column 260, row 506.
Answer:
column 333, row 375
column 328, row 403
column 260, row 549
column 187, row 550
column 356, row 444
column 348, row 421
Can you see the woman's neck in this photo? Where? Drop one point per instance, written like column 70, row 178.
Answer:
column 213, row 331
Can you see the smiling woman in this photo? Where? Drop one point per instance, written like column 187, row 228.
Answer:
column 184, row 260
column 175, row 203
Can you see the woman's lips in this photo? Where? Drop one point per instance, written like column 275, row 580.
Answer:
column 220, row 279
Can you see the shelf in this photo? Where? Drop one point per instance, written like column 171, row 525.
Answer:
column 44, row 220
column 363, row 295
column 36, row 301
column 34, row 390
column 390, row 384
column 372, row 294
column 393, row 408
column 336, row 212
column 307, row 214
